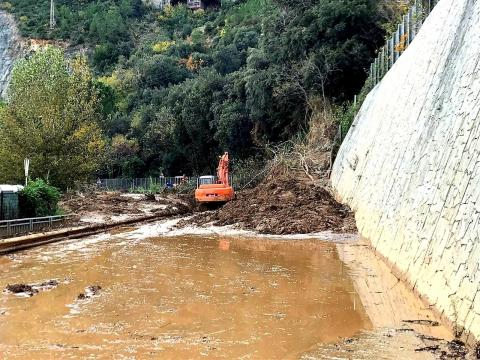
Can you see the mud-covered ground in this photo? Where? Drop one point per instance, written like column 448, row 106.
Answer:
column 282, row 206
column 278, row 206
column 102, row 207
column 128, row 294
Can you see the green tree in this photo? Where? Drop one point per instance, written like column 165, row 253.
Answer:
column 51, row 117
column 39, row 199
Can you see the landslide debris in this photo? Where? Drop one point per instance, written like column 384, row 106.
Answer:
column 90, row 292
column 32, row 289
column 21, row 288
column 102, row 207
column 281, row 206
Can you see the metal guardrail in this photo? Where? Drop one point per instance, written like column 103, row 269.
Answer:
column 394, row 47
column 9, row 228
column 406, row 31
column 143, row 183
column 161, row 183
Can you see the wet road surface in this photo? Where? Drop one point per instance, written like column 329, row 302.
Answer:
column 207, row 297
column 184, row 297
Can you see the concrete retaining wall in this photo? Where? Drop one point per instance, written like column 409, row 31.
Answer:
column 410, row 165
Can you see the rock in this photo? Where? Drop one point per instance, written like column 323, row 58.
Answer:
column 90, row 292
column 21, row 288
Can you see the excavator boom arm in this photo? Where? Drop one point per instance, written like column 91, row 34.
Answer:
column 222, row 170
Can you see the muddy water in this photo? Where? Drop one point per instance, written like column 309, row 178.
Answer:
column 185, row 297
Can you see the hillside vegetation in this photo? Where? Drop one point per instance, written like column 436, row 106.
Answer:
column 178, row 87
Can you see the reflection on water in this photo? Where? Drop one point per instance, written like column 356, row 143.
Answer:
column 186, row 297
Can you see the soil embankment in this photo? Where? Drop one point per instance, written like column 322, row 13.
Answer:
column 282, row 206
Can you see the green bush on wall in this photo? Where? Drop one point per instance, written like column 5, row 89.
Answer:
column 39, row 199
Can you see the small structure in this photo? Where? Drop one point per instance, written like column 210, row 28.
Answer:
column 158, row 4
column 191, row 4
column 9, row 207
column 195, row 4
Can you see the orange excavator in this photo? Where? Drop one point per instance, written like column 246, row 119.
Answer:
column 210, row 190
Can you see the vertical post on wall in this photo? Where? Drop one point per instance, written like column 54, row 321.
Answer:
column 382, row 63
column 379, row 69
column 401, row 38
column 371, row 75
column 385, row 61
column 395, row 44
column 413, row 20
column 392, row 52
column 406, row 31
column 52, row 15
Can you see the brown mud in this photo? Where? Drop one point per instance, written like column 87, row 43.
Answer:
column 103, row 207
column 282, row 206
column 214, row 297
column 178, row 298
column 391, row 304
column 32, row 289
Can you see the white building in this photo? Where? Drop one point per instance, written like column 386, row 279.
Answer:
column 159, row 4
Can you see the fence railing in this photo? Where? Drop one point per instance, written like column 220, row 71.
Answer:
column 406, row 31
column 162, row 183
column 143, row 183
column 9, row 228
column 388, row 55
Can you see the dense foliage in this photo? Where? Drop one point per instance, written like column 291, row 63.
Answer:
column 179, row 87
column 50, row 117
column 38, row 199
column 103, row 25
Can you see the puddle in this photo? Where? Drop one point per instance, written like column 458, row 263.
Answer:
column 182, row 297
column 127, row 296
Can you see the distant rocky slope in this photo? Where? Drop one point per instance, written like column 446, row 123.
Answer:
column 11, row 48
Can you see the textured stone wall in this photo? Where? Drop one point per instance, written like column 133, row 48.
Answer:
column 11, row 48
column 410, row 165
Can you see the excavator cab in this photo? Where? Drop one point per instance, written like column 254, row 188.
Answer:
column 211, row 190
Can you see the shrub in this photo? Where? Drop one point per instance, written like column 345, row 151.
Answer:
column 39, row 199
column 6, row 6
column 162, row 46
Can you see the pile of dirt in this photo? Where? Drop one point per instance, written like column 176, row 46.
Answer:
column 282, row 206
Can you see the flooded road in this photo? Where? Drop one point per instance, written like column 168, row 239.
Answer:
column 183, row 297
column 125, row 295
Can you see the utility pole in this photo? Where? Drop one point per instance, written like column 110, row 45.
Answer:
column 52, row 15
